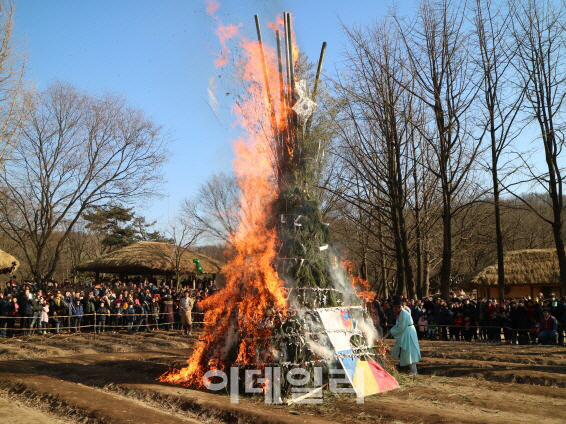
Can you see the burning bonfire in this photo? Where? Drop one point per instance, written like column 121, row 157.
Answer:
column 287, row 301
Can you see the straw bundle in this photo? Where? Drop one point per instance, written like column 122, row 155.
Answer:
column 8, row 263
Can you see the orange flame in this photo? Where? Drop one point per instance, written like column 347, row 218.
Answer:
column 356, row 280
column 212, row 6
column 279, row 24
column 224, row 33
column 253, row 297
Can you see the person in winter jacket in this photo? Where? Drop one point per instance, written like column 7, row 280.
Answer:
column 458, row 324
column 443, row 318
column 168, row 317
column 36, row 307
column 78, row 313
column 89, row 307
column 6, row 310
column 69, row 306
column 101, row 316
column 15, row 314
column 548, row 329
column 117, row 315
column 25, row 303
column 468, row 330
column 142, row 312
column 44, row 315
column 130, row 317
column 154, row 309
column 422, row 326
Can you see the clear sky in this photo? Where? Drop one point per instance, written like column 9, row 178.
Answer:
column 160, row 56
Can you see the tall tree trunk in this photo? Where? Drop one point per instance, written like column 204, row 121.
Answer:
column 446, row 268
column 409, row 280
column 498, row 232
column 426, row 271
column 555, row 190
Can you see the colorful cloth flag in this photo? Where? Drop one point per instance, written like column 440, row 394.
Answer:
column 367, row 377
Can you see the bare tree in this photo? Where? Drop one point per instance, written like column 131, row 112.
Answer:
column 214, row 210
column 437, row 45
column 12, row 71
column 76, row 151
column 539, row 32
column 501, row 102
column 182, row 235
column 375, row 139
column 81, row 245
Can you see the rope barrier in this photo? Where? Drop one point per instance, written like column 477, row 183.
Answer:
column 471, row 326
column 55, row 321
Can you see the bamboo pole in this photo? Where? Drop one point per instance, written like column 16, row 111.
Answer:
column 283, row 143
column 291, row 59
column 315, row 90
column 266, row 77
column 293, row 128
column 288, row 72
column 318, row 71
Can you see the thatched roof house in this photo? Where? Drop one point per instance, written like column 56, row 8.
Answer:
column 8, row 263
column 527, row 272
column 149, row 258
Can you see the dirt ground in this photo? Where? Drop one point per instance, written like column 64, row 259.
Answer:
column 112, row 379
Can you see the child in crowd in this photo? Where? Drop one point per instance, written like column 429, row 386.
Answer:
column 78, row 313
column 533, row 333
column 44, row 316
column 458, row 322
column 118, row 312
column 423, row 326
column 130, row 316
column 468, row 331
column 431, row 328
column 101, row 315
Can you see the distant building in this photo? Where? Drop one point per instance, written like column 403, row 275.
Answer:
column 527, row 273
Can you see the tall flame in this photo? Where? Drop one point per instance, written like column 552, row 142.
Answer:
column 238, row 316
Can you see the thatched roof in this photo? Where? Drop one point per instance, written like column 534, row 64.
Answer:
column 533, row 267
column 8, row 263
column 147, row 257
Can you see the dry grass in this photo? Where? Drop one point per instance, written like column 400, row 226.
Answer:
column 8, row 263
column 532, row 267
column 147, row 257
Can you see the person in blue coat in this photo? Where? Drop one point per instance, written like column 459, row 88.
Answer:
column 130, row 316
column 78, row 313
column 406, row 346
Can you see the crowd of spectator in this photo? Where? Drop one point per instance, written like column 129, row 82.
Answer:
column 466, row 318
column 148, row 305
column 134, row 305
